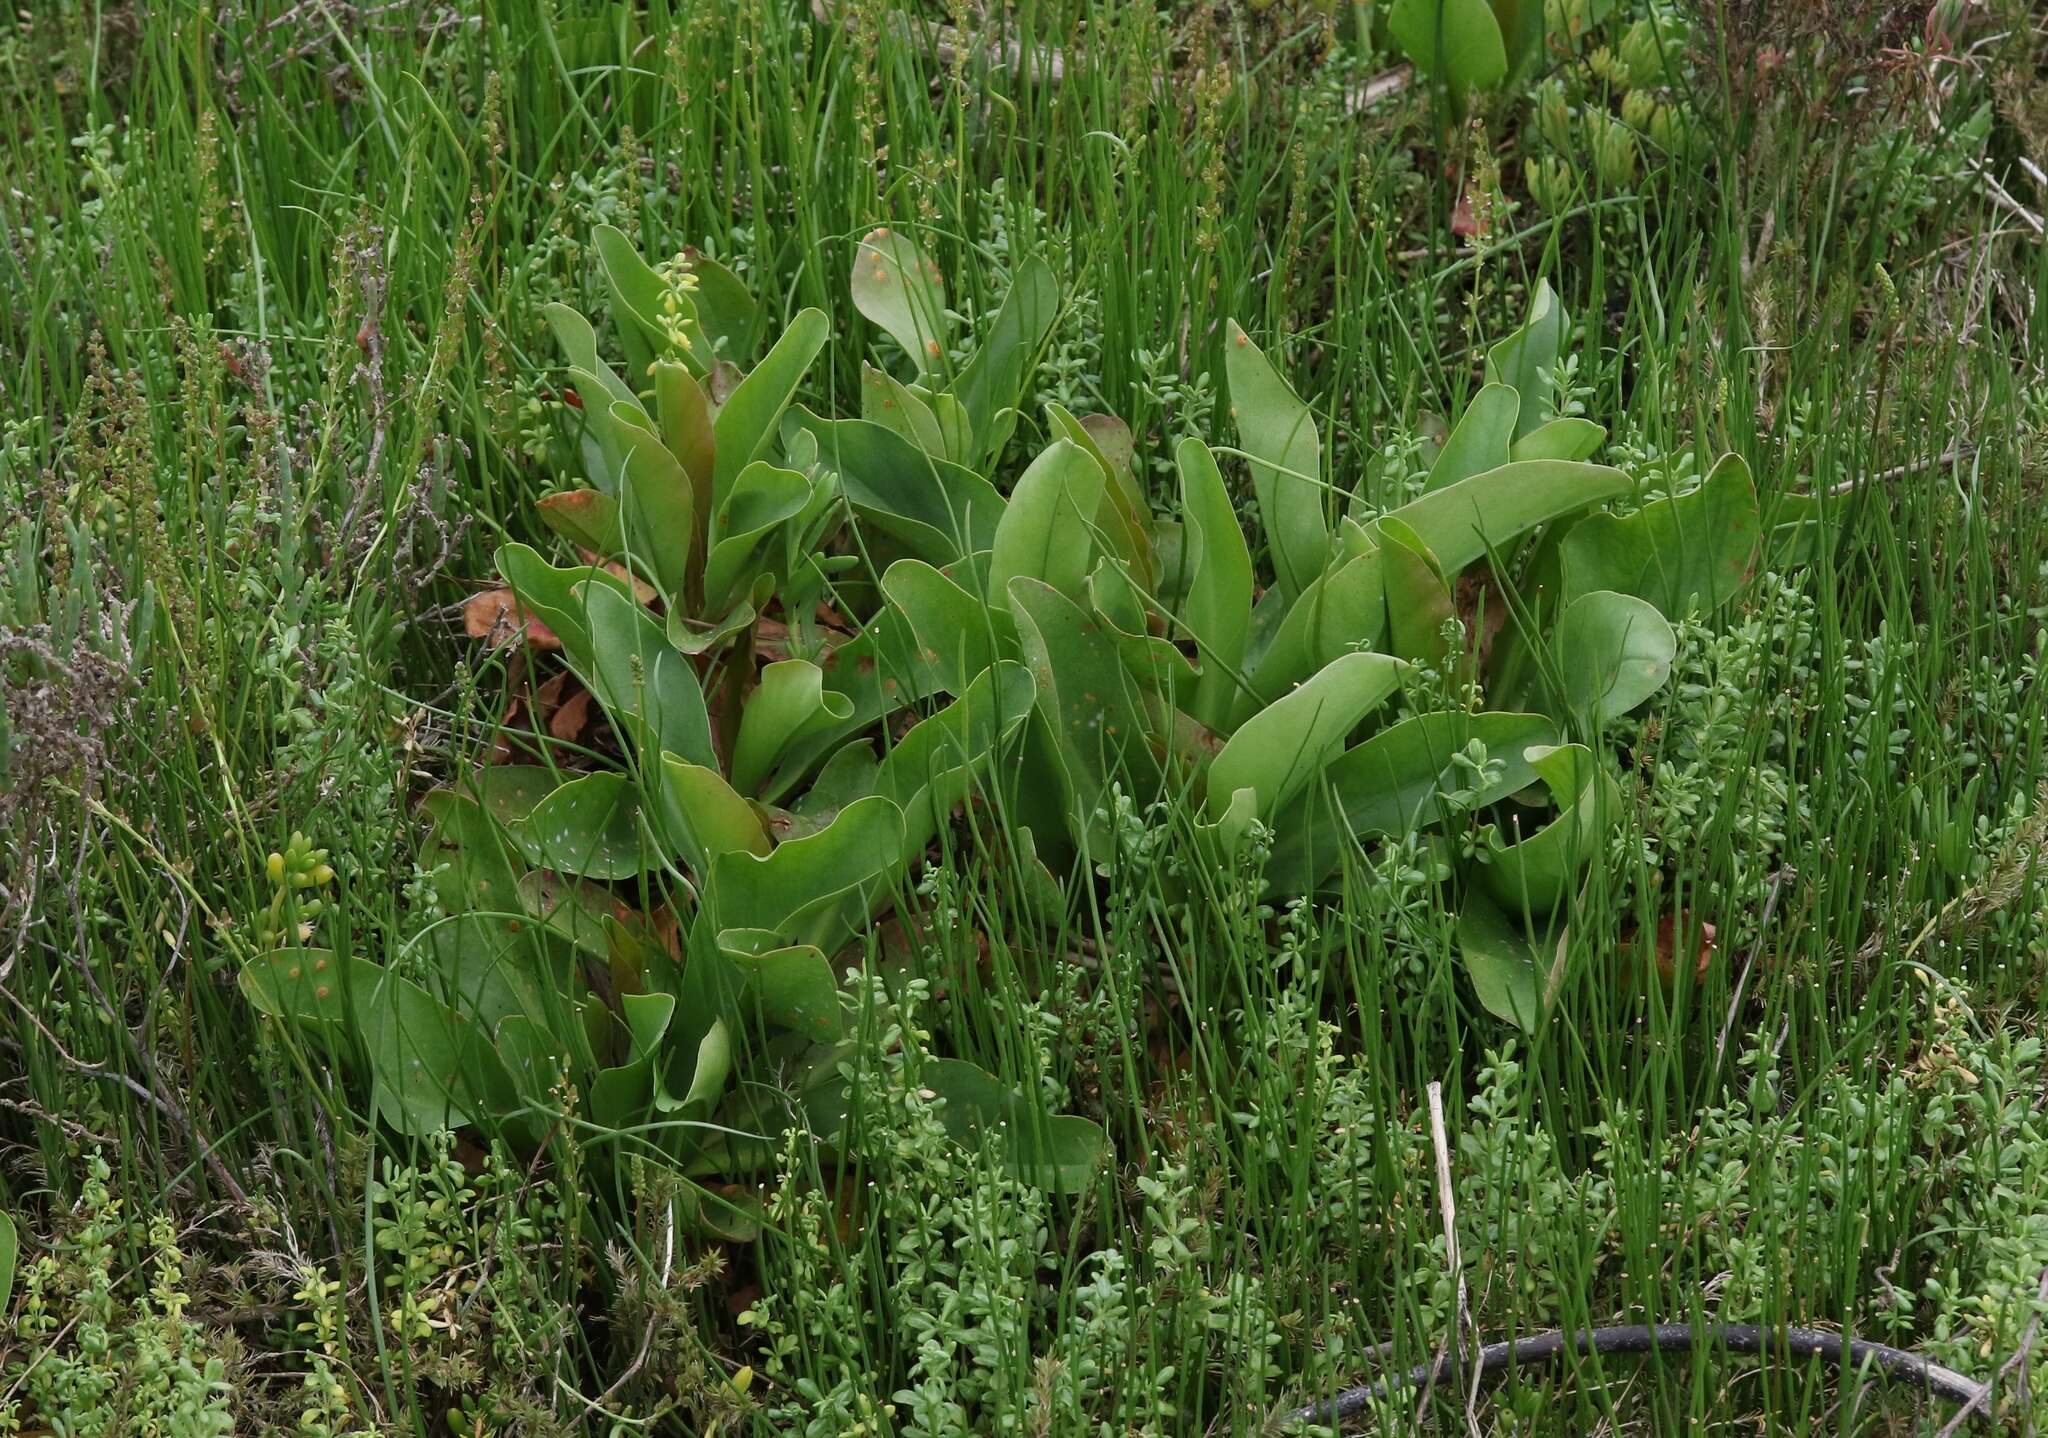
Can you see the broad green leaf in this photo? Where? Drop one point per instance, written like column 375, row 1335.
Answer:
column 941, row 511
column 1505, row 966
column 1158, row 664
column 747, row 421
column 1279, row 433
column 1525, row 359
column 1217, row 609
column 10, row 1246
column 898, row 288
column 887, row 401
column 933, row 767
column 1122, row 520
column 474, row 859
column 1280, row 749
column 1687, row 554
column 791, row 986
column 991, row 384
column 1343, row 612
column 1461, row 522
column 682, row 413
column 659, row 502
column 761, row 498
column 579, row 341
column 728, row 316
column 1533, row 874
column 704, row 817
column 1457, row 41
column 811, row 890
column 1418, row 592
column 435, row 1068
column 621, row 1096
column 790, row 701
column 1090, row 705
column 1521, row 27
column 1047, row 532
column 958, row 634
column 1396, row 782
column 587, row 518
column 589, row 827
column 1481, row 440
column 1061, row 1153
column 649, row 690
column 695, row 636
column 1572, row 439
column 308, row 986
column 552, row 596
column 1613, row 652
column 641, row 301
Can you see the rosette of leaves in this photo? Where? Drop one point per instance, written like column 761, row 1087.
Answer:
column 655, row 934
column 1163, row 669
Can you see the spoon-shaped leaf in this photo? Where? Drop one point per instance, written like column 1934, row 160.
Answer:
column 1287, row 461
column 898, row 288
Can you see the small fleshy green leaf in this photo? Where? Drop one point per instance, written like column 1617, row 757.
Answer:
column 899, row 289
column 1279, row 433
column 1687, row 554
column 747, row 421
column 1280, row 749
column 1613, row 652
column 1047, row 531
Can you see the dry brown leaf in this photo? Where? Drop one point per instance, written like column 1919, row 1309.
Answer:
column 496, row 617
